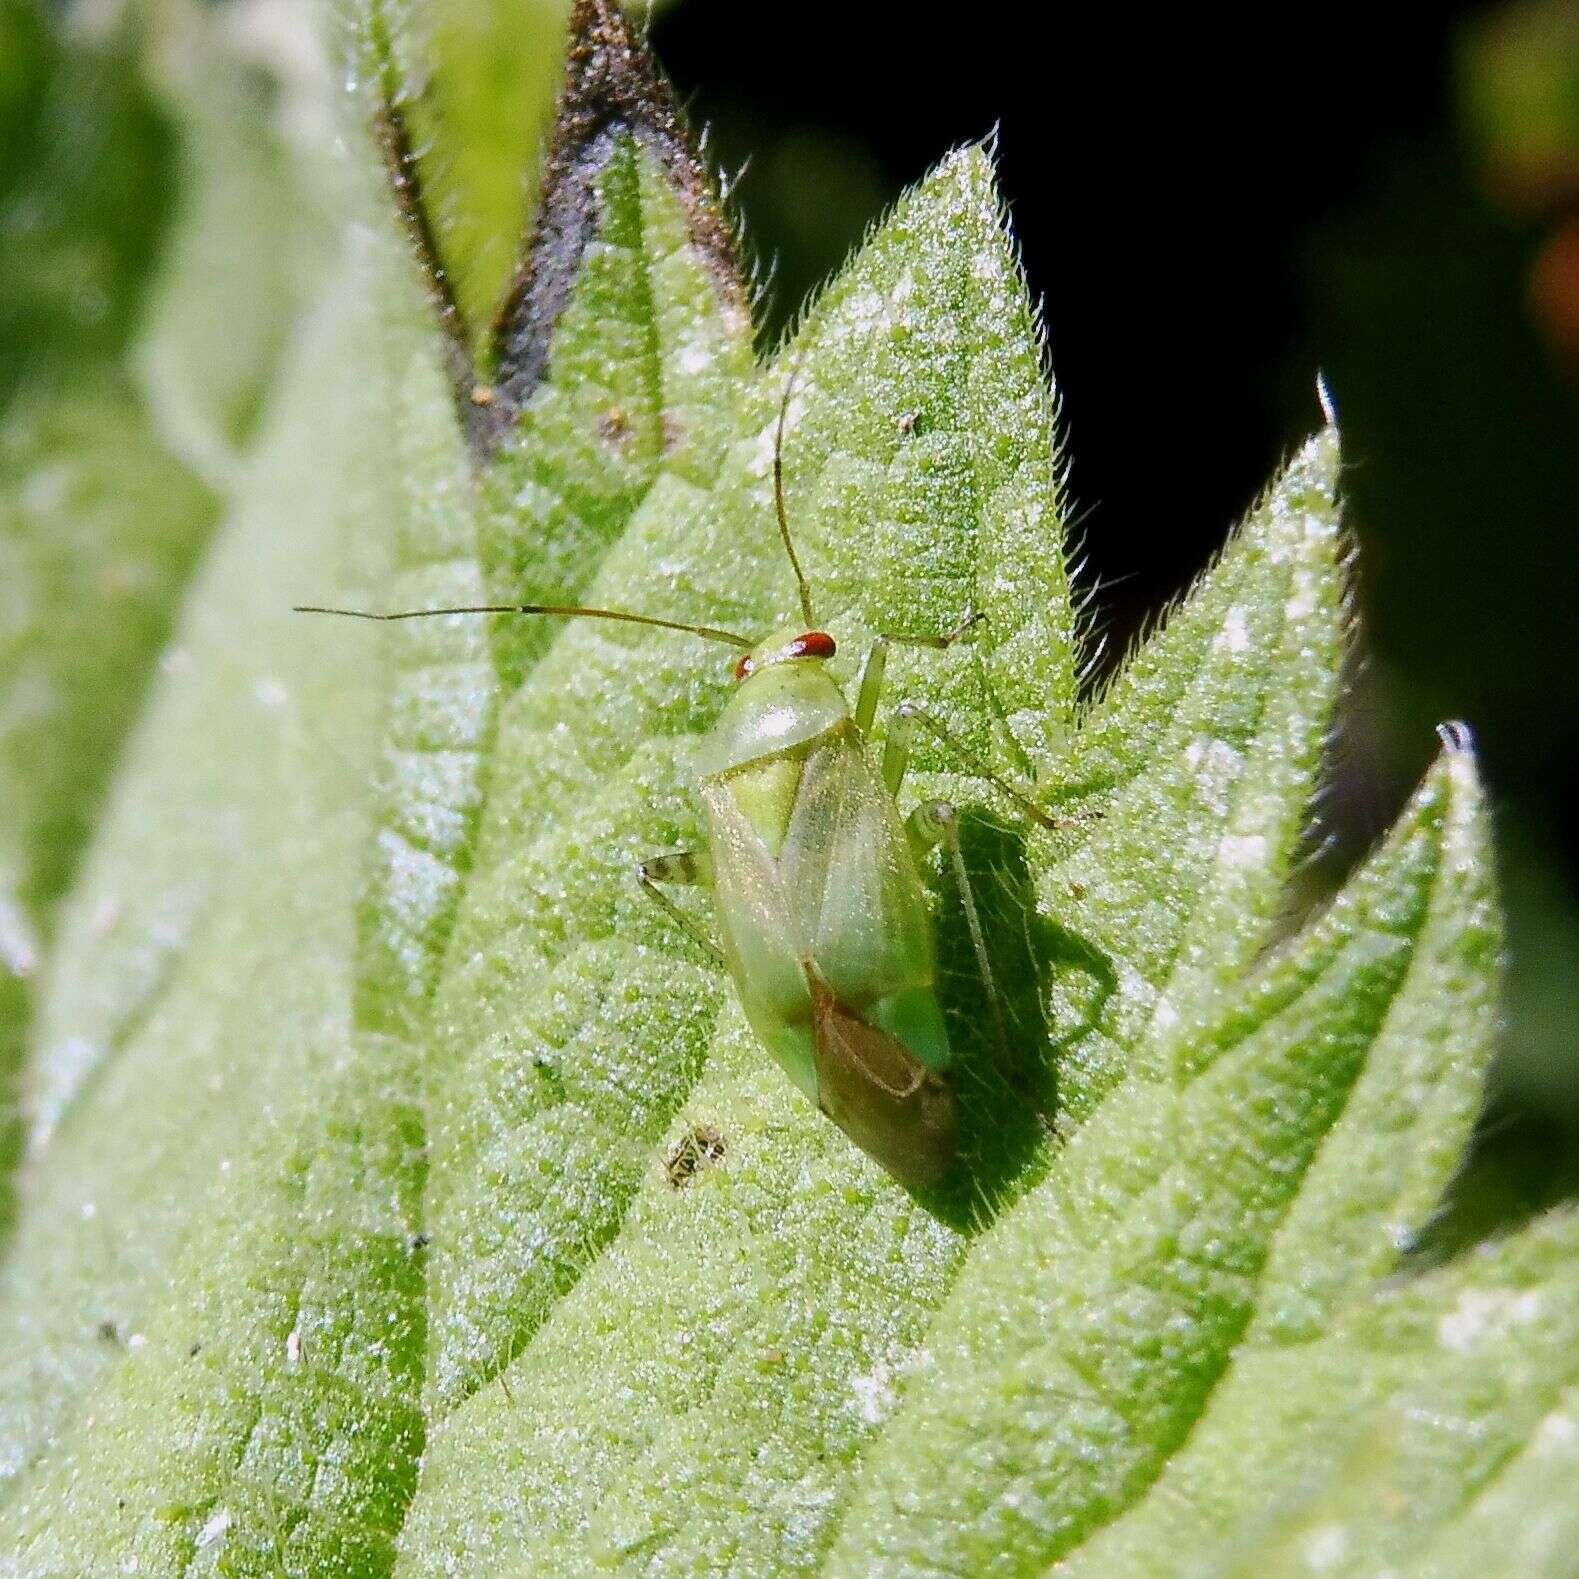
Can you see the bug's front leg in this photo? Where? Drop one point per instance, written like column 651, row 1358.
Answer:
column 690, row 867
column 877, row 662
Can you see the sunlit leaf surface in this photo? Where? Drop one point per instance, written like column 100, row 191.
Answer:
column 403, row 1195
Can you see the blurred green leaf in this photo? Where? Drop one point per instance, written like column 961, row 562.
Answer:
column 242, row 253
column 115, row 419
column 86, row 163
column 99, row 528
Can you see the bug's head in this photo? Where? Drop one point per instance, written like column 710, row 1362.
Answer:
column 790, row 645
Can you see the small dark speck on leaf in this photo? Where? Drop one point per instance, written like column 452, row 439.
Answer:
column 109, row 1332
column 699, row 1148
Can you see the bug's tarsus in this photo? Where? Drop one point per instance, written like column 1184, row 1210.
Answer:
column 558, row 610
column 684, row 866
column 778, row 499
column 973, row 618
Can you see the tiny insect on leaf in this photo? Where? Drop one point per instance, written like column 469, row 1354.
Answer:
column 824, row 919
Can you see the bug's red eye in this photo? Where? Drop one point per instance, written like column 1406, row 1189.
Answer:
column 744, row 667
column 814, row 644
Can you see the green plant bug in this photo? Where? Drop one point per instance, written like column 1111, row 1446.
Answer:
column 815, row 877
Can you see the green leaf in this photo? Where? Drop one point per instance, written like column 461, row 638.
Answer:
column 1432, row 1431
column 85, row 163
column 406, row 1196
column 232, row 843
column 485, row 97
column 1195, row 769
column 101, row 516
column 1228, row 1203
column 487, row 73
column 101, row 521
column 636, row 1477
column 99, row 530
column 99, row 527
column 218, row 314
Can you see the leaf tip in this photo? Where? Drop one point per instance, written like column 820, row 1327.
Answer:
column 969, row 175
column 1314, row 469
column 1452, row 798
column 613, row 87
column 1326, row 400
column 1458, row 765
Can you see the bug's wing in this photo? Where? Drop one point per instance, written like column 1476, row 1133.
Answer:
column 849, row 873
column 764, row 944
column 881, row 1095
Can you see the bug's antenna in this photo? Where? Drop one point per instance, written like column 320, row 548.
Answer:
column 778, row 498
column 708, row 632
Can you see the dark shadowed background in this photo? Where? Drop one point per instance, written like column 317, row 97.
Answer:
column 1209, row 215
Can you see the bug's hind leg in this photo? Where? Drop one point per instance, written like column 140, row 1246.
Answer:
column 936, row 822
column 910, row 716
column 689, row 867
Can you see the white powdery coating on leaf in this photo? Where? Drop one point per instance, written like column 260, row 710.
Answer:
column 1326, row 1548
column 1234, row 637
column 695, row 358
column 1218, row 767
column 215, row 1529
column 1303, row 600
column 875, row 1393
column 862, row 313
column 1482, row 1314
column 1243, row 850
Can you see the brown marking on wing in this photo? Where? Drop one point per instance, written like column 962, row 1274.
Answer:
column 880, row 1094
